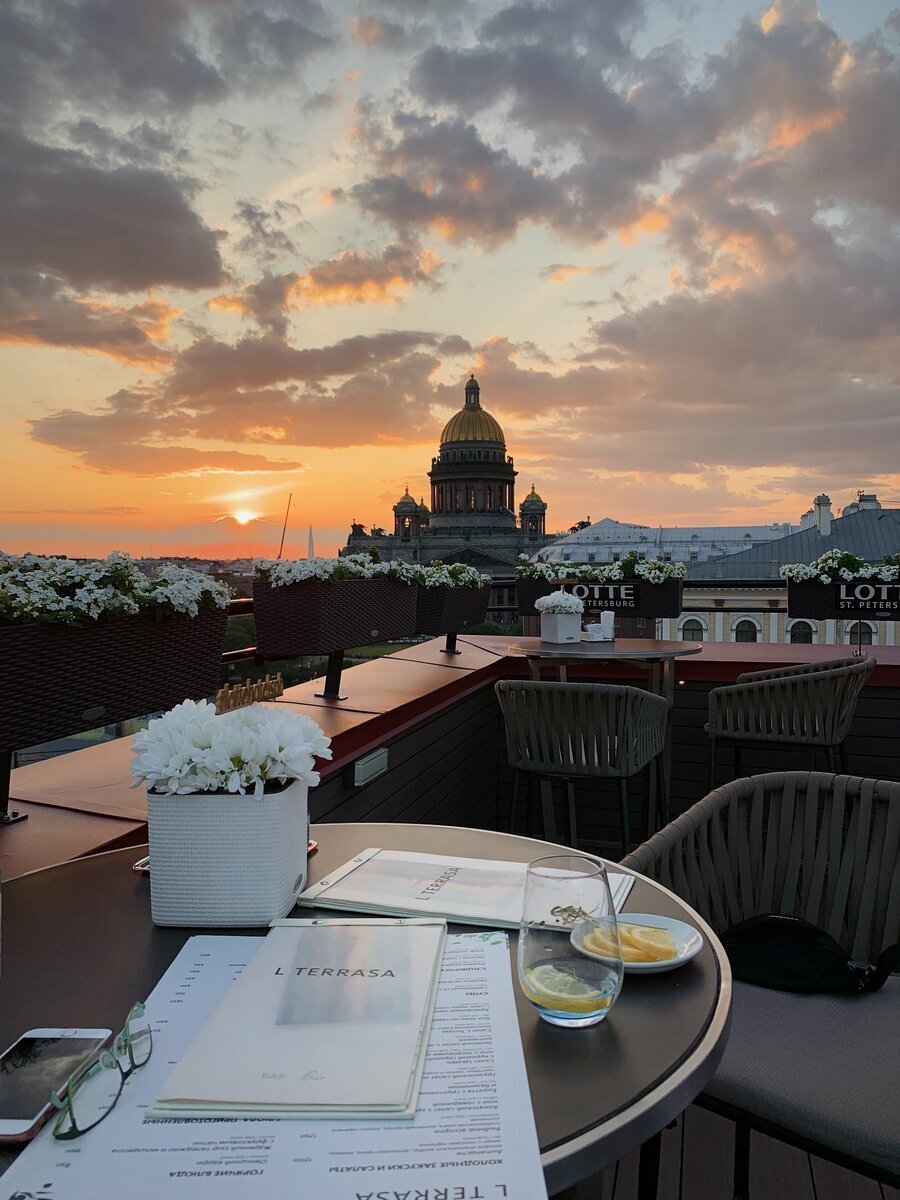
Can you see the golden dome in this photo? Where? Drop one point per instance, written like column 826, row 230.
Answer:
column 473, row 425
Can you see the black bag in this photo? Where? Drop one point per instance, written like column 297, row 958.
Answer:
column 791, row 955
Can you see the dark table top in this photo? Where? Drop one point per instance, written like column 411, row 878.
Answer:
column 628, row 649
column 79, row 947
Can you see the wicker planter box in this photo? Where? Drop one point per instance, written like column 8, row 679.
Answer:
column 449, row 609
column 319, row 617
column 61, row 679
column 831, row 601
column 629, row 598
column 226, row 860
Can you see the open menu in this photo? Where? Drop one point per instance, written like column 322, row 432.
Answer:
column 476, row 891
column 330, row 1018
column 473, row 1134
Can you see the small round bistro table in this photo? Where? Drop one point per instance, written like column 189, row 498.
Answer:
column 79, row 947
column 654, row 653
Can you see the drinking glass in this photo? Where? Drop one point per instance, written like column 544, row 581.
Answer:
column 567, row 900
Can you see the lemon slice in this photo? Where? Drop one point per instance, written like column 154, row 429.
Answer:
column 597, row 943
column 545, row 984
column 655, row 944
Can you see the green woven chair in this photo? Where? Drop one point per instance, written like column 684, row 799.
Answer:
column 575, row 730
column 820, row 1071
column 806, row 705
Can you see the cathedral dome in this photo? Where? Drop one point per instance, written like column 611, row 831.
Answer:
column 406, row 503
column 533, row 501
column 472, row 423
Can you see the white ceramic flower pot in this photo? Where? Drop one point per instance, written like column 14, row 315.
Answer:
column 560, row 627
column 227, row 860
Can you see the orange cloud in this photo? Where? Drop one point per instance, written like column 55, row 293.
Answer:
column 40, row 314
column 369, row 31
column 229, row 302
column 563, row 272
column 793, row 130
column 770, row 19
column 651, row 221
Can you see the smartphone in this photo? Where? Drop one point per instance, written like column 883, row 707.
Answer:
column 39, row 1063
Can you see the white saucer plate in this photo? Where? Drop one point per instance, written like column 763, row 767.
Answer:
column 688, row 941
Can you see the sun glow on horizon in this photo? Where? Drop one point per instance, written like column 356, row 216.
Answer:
column 243, row 517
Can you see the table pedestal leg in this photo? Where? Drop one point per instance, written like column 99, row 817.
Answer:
column 648, row 1170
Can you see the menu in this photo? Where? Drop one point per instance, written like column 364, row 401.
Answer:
column 330, row 1018
column 473, row 1133
column 475, row 891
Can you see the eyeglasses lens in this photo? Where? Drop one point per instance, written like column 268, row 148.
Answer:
column 140, row 1036
column 95, row 1093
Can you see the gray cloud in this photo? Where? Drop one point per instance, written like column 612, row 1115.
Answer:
column 174, row 53
column 383, row 392
column 36, row 310
column 267, row 238
column 209, row 365
column 124, row 229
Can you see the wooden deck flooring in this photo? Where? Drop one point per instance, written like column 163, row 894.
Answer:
column 696, row 1164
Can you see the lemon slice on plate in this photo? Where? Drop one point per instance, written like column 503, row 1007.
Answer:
column 546, row 985
column 652, row 943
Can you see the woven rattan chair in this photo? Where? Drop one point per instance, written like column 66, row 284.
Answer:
column 806, row 705
column 594, row 730
column 817, row 1071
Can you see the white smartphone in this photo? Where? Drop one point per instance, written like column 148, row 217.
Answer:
column 39, row 1063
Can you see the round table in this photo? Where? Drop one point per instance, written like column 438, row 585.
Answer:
column 654, row 652
column 79, row 947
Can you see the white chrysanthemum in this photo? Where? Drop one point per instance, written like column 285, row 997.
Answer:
column 560, row 603
column 190, row 749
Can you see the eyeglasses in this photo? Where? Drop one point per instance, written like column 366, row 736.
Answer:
column 93, row 1088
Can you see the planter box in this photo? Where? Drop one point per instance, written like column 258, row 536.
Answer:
column 226, row 860
column 449, row 609
column 629, row 598
column 319, row 617
column 559, row 628
column 856, row 598
column 59, row 679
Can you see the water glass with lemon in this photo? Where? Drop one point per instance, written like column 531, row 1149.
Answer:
column 565, row 986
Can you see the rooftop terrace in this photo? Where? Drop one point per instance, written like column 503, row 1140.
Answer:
column 437, row 717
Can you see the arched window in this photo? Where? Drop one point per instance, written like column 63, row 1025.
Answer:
column 692, row 631
column 746, row 631
column 801, row 633
column 858, row 633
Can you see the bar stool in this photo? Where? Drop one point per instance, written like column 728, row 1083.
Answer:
column 811, row 704
column 573, row 730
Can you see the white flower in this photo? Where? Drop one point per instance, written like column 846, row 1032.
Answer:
column 190, row 749
column 62, row 591
column 559, row 603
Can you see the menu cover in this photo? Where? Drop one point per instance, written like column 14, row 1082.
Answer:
column 330, row 1018
column 475, row 891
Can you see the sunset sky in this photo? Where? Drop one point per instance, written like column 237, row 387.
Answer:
column 251, row 248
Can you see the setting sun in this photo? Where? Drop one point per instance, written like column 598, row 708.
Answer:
column 244, row 518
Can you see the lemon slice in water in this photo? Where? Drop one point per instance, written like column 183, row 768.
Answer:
column 549, row 987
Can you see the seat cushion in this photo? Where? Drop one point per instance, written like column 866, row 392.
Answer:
column 823, row 1067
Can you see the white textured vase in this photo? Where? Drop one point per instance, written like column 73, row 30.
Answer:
column 560, row 627
column 227, row 860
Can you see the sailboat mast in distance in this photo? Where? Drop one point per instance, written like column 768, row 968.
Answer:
column 284, row 526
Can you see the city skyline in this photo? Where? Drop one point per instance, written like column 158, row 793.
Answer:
column 252, row 249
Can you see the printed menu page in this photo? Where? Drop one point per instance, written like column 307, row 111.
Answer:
column 472, row 1136
column 475, row 891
